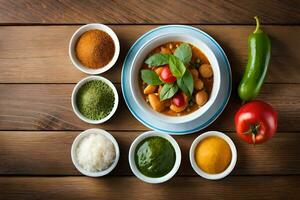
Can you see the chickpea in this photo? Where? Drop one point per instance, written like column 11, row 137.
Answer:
column 150, row 89
column 158, row 70
column 155, row 103
column 164, row 50
column 198, row 84
column 205, row 71
column 177, row 109
column 201, row 98
column 194, row 73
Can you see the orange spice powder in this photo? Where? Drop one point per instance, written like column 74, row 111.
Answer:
column 95, row 49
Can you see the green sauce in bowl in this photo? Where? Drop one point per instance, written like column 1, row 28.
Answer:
column 155, row 157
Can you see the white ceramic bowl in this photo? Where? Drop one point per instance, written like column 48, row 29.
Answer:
column 73, row 42
column 78, row 86
column 141, row 56
column 136, row 171
column 199, row 171
column 76, row 143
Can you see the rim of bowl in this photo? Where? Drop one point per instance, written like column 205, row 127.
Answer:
column 200, row 111
column 233, row 161
column 134, row 168
column 73, row 42
column 74, row 94
column 85, row 134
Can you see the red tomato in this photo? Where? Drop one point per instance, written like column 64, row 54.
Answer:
column 166, row 75
column 256, row 122
column 178, row 99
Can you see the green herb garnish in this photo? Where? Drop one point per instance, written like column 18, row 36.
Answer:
column 176, row 66
column 186, row 83
column 168, row 91
column 191, row 102
column 158, row 59
column 196, row 63
column 150, row 77
column 184, row 53
column 182, row 56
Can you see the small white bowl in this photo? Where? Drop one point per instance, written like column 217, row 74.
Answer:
column 73, row 42
column 138, row 62
column 199, row 171
column 76, row 143
column 78, row 86
column 136, row 171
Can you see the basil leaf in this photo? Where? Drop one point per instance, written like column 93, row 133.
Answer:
column 184, row 53
column 167, row 91
column 176, row 66
column 186, row 83
column 157, row 59
column 150, row 77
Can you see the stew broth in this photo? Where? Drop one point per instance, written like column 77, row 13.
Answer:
column 197, row 60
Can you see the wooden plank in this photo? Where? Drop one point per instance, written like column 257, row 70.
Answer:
column 247, row 187
column 48, row 153
column 39, row 54
column 48, row 107
column 137, row 12
column 51, row 109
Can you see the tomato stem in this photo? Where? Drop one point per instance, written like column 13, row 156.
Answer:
column 253, row 130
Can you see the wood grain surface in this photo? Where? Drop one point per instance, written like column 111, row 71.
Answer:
column 39, row 54
column 242, row 187
column 149, row 11
column 38, row 126
column 48, row 107
column 19, row 155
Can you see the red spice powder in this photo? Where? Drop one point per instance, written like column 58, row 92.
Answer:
column 95, row 49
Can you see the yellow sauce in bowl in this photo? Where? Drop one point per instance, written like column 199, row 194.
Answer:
column 213, row 155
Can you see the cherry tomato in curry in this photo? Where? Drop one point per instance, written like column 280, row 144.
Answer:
column 178, row 100
column 166, row 75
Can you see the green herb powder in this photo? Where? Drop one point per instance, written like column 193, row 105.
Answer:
column 95, row 100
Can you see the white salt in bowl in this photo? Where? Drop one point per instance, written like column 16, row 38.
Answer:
column 77, row 142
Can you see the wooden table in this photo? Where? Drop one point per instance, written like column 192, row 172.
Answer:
column 38, row 125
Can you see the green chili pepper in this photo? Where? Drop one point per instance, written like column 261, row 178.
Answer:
column 259, row 50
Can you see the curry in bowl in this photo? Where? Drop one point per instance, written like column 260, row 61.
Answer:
column 176, row 79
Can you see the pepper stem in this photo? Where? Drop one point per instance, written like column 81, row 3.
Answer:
column 257, row 29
